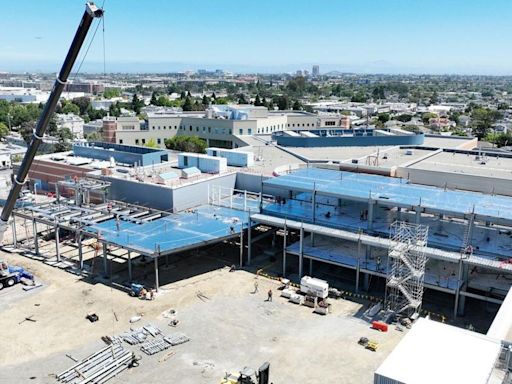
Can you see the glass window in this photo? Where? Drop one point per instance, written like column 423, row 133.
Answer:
column 143, row 141
column 136, row 141
column 120, row 141
column 159, row 141
column 241, row 131
column 249, row 131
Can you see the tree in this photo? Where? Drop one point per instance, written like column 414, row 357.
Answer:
column 189, row 94
column 482, row 119
column 64, row 136
column 187, row 105
column 271, row 106
column 383, row 117
column 205, row 101
column 186, row 144
column 435, row 98
column 115, row 110
column 264, row 102
column 183, row 95
column 297, row 106
column 151, row 143
column 427, row 116
column 359, row 97
column 283, row 103
column 137, row 104
column 71, row 108
column 154, row 100
column 26, row 130
column 4, row 131
column 82, row 103
column 241, row 99
column 111, row 92
column 404, row 118
column 257, row 101
column 214, row 97
column 378, row 92
column 94, row 136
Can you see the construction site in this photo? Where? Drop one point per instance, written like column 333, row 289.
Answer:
column 125, row 264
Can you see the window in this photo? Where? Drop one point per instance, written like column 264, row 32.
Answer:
column 158, row 127
column 249, row 131
column 185, row 161
column 175, row 127
column 120, row 141
column 159, row 141
column 330, row 123
column 230, row 131
column 190, row 128
column 209, row 129
column 197, row 129
column 136, row 141
column 288, row 125
column 204, row 129
column 241, row 131
column 303, row 124
column 143, row 141
column 293, row 125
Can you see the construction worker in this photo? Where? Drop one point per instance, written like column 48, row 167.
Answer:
column 269, row 295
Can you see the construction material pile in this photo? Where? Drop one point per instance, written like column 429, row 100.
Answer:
column 99, row 367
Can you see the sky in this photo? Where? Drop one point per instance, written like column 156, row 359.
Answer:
column 361, row 36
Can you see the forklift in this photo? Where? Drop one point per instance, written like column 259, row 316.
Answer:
column 249, row 376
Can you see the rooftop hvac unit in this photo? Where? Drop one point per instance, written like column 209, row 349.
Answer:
column 409, row 152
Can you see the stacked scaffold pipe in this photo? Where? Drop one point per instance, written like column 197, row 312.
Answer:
column 99, row 367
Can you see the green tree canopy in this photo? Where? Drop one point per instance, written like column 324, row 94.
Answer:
column 186, row 144
column 4, row 130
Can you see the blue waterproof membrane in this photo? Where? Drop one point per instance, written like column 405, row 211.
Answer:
column 393, row 190
column 171, row 233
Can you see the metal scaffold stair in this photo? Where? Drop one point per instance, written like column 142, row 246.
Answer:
column 405, row 280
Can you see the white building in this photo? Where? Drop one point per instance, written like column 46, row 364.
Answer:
column 73, row 122
column 223, row 126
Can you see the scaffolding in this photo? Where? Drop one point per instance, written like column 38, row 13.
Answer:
column 406, row 269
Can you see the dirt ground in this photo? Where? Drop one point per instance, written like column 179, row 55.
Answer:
column 230, row 327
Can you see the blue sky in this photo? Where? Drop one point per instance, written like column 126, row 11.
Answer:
column 385, row 36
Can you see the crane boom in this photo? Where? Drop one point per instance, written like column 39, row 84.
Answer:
column 91, row 12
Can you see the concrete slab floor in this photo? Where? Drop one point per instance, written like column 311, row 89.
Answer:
column 231, row 329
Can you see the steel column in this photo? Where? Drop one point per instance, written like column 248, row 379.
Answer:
column 57, row 242
column 157, row 282
column 284, row 250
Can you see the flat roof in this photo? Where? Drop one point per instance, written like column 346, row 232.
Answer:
column 173, row 233
column 393, row 191
column 468, row 164
column 433, row 352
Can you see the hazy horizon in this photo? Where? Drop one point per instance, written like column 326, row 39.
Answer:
column 370, row 36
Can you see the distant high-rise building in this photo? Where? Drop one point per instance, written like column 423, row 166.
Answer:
column 316, row 71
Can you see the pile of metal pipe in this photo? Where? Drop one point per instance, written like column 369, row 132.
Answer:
column 99, row 367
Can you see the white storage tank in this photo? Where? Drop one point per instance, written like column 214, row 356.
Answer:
column 315, row 287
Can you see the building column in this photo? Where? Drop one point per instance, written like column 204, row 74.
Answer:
column 284, row 250
column 249, row 242
column 57, row 242
column 358, row 265
column 80, row 251
column 242, row 246
column 36, row 242
column 105, row 266
column 313, row 202
column 460, row 301
column 418, row 214
column 371, row 205
column 14, row 238
column 310, row 267
column 301, row 251
column 130, row 266
column 157, row 282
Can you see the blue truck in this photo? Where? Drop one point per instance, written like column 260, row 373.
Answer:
column 12, row 274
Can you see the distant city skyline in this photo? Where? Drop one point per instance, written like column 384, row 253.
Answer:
column 368, row 36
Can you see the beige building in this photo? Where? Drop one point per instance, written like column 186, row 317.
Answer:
column 221, row 125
